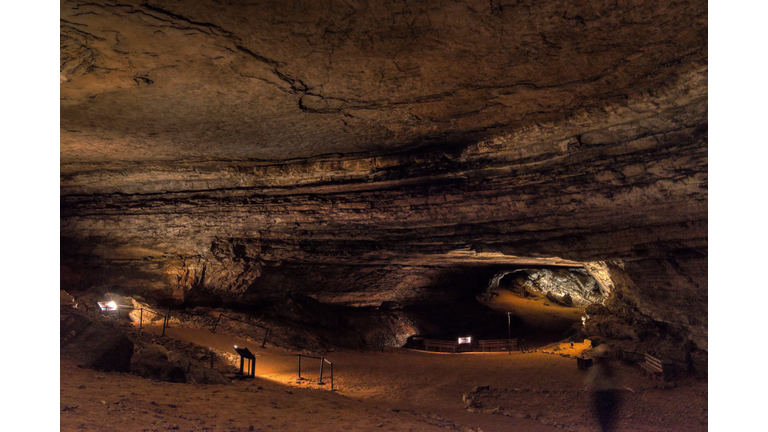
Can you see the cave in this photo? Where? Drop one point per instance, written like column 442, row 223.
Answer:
column 340, row 180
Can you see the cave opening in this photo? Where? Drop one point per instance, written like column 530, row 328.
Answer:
column 539, row 304
column 329, row 307
column 366, row 307
column 545, row 304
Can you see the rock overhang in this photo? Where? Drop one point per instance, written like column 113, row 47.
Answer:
column 202, row 143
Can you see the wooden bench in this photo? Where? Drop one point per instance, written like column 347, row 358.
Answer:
column 656, row 368
column 498, row 345
column 440, row 344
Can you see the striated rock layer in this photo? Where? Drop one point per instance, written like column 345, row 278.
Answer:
column 369, row 152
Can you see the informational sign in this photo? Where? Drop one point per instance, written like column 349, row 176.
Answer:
column 245, row 353
column 465, row 340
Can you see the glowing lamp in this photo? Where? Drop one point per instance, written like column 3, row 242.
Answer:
column 465, row 340
column 108, row 306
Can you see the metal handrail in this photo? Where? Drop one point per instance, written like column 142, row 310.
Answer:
column 244, row 322
column 165, row 318
column 323, row 360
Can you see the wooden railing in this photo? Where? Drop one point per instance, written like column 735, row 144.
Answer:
column 440, row 344
column 498, row 345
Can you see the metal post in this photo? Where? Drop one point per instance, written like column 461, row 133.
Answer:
column 299, row 355
column 217, row 324
column 322, row 361
column 509, row 326
column 331, row 376
column 265, row 338
column 141, row 317
column 165, row 322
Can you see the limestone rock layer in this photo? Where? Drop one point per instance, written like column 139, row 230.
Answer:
column 369, row 152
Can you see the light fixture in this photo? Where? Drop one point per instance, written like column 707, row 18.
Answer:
column 465, row 340
column 108, row 306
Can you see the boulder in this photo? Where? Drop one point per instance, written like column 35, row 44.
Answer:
column 152, row 362
column 66, row 299
column 93, row 345
column 156, row 362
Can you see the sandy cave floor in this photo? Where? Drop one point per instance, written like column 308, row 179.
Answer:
column 538, row 313
column 398, row 390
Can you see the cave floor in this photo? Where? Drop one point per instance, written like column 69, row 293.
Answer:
column 398, row 390
column 542, row 317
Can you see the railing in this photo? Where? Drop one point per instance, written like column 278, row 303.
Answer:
column 498, row 345
column 165, row 318
column 244, row 322
column 483, row 345
column 440, row 344
column 323, row 360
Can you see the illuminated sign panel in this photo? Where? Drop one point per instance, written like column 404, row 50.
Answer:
column 109, row 306
column 465, row 340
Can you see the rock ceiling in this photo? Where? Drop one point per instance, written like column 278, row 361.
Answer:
column 273, row 80
column 204, row 144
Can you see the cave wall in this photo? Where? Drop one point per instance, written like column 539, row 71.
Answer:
column 644, row 196
column 358, row 151
column 642, row 199
column 658, row 306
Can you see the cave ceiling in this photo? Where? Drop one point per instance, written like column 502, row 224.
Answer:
column 250, row 133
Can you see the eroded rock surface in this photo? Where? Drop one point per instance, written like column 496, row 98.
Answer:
column 566, row 287
column 659, row 307
column 365, row 152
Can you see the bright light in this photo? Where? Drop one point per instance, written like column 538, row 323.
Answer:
column 110, row 306
column 465, row 340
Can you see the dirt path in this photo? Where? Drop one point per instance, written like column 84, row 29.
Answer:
column 432, row 385
column 398, row 390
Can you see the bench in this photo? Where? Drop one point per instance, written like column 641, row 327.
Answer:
column 656, row 368
column 440, row 344
column 498, row 345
